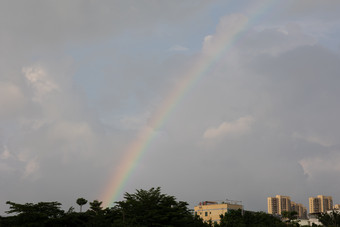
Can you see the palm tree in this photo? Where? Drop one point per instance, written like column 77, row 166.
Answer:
column 81, row 202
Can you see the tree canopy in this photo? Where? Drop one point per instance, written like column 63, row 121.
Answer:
column 290, row 215
column 239, row 218
column 142, row 208
column 330, row 219
column 81, row 202
column 153, row 208
column 42, row 212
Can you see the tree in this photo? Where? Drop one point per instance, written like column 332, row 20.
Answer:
column 96, row 207
column 232, row 218
column 152, row 208
column 237, row 218
column 330, row 219
column 81, row 202
column 290, row 215
column 39, row 214
column 98, row 216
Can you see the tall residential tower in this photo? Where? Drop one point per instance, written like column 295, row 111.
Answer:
column 320, row 204
column 278, row 204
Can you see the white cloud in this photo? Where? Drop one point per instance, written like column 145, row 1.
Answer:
column 21, row 163
column 228, row 27
column 321, row 165
column 5, row 154
column 276, row 40
column 32, row 169
column 239, row 127
column 71, row 132
column 41, row 82
column 12, row 100
column 178, row 48
column 135, row 122
column 314, row 139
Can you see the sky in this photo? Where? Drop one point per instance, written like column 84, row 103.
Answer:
column 253, row 89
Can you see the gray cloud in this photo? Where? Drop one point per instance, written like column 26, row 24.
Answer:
column 289, row 92
column 72, row 99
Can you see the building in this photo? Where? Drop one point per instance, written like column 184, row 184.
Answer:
column 314, row 205
column 320, row 204
column 310, row 222
column 336, row 207
column 304, row 213
column 326, row 203
column 300, row 209
column 211, row 210
column 278, row 204
column 272, row 205
column 284, row 203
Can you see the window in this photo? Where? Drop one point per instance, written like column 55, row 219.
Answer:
column 206, row 213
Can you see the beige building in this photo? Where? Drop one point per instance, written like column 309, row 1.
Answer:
column 320, row 204
column 211, row 210
column 300, row 209
column 272, row 205
column 278, row 204
column 336, row 207
column 314, row 205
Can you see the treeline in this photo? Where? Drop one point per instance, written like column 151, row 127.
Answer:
column 144, row 208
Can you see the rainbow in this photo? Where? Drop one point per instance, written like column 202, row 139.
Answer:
column 203, row 65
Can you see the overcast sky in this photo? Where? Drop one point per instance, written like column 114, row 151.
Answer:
column 80, row 79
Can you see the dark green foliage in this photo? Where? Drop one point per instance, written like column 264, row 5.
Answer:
column 81, row 202
column 152, row 208
column 75, row 219
column 331, row 219
column 143, row 208
column 96, row 208
column 29, row 214
column 238, row 218
column 289, row 215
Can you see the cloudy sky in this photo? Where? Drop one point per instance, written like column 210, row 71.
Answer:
column 79, row 80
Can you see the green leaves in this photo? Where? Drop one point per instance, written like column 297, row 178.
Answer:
column 290, row 215
column 96, row 207
column 40, row 213
column 81, row 202
column 49, row 209
column 143, row 208
column 237, row 218
column 330, row 219
column 152, row 208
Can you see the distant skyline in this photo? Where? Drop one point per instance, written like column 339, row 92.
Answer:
column 238, row 100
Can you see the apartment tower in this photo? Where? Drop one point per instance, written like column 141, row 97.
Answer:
column 320, row 204
column 300, row 210
column 278, row 204
column 272, row 205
